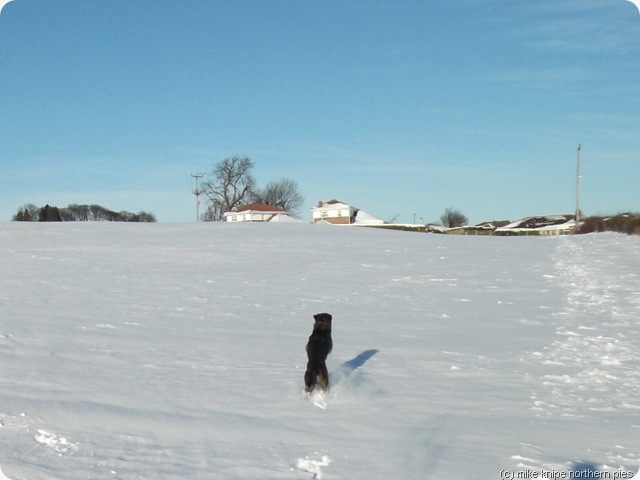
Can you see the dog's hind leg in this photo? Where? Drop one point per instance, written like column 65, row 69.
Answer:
column 323, row 378
column 309, row 381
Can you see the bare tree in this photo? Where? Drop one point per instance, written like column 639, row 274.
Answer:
column 27, row 213
column 213, row 213
column 282, row 193
column 231, row 185
column 453, row 218
column 77, row 212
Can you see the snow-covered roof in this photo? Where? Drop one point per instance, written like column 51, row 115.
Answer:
column 256, row 208
column 284, row 217
column 545, row 222
column 332, row 205
column 259, row 207
column 363, row 217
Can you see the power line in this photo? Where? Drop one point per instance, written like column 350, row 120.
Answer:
column 578, row 188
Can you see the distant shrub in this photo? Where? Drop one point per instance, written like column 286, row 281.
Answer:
column 628, row 223
column 452, row 218
column 49, row 214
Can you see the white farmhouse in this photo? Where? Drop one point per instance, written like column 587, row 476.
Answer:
column 257, row 212
column 337, row 212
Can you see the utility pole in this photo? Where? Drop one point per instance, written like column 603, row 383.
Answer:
column 197, row 193
column 578, row 188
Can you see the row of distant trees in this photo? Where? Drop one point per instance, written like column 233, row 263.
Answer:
column 232, row 185
column 78, row 213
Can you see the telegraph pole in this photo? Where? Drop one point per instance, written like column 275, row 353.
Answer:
column 197, row 192
column 578, row 188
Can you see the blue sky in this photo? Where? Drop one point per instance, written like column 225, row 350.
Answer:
column 397, row 107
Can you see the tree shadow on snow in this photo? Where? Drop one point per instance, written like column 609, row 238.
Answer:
column 348, row 367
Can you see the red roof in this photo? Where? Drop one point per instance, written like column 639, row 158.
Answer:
column 260, row 207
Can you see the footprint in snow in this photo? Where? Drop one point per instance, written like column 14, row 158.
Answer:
column 57, row 443
column 3, row 476
column 312, row 466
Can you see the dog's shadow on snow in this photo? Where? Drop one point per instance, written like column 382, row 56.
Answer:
column 348, row 367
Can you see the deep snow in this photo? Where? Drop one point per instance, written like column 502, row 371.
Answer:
column 132, row 351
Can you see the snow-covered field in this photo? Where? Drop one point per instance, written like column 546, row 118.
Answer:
column 131, row 351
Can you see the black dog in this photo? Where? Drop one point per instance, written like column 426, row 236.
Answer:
column 318, row 347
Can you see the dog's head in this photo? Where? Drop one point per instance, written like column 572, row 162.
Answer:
column 323, row 321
